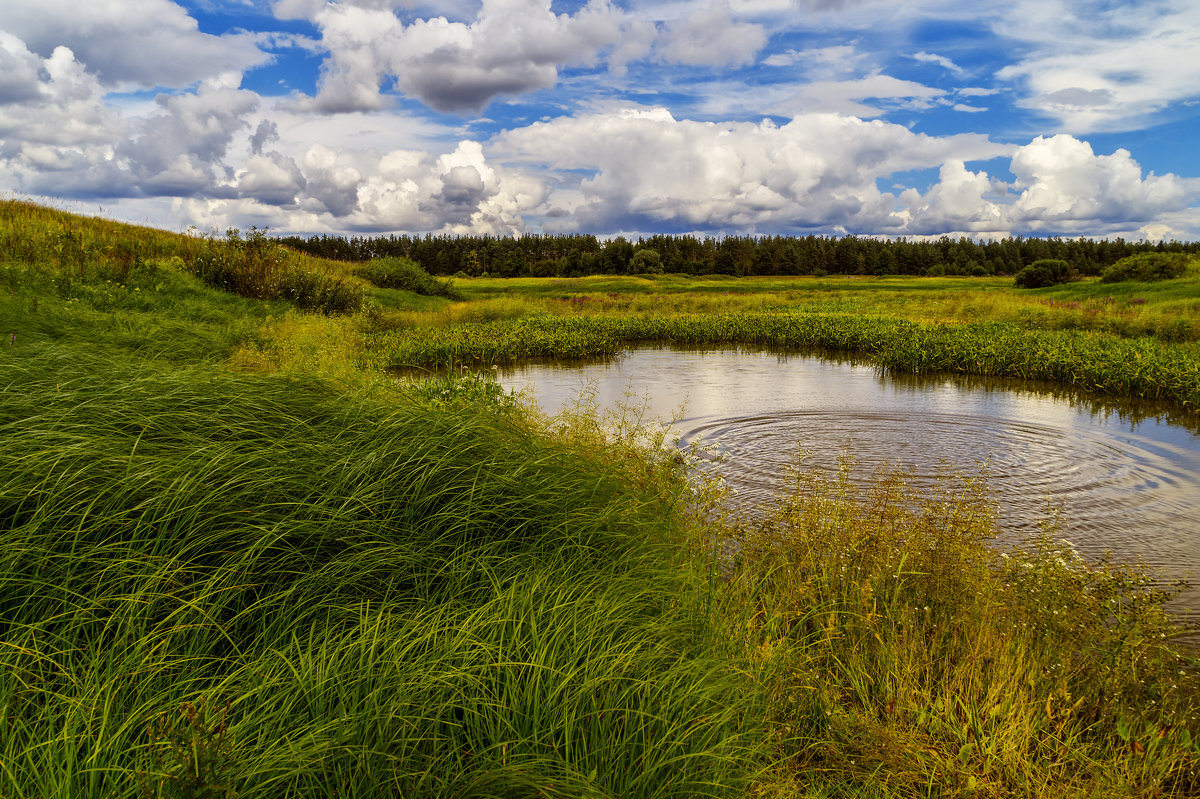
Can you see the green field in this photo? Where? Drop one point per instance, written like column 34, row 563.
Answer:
column 239, row 559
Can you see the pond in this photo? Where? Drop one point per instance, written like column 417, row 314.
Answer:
column 1125, row 478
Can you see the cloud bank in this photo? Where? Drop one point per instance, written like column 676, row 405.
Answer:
column 510, row 116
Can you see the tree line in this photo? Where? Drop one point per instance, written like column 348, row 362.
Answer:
column 573, row 255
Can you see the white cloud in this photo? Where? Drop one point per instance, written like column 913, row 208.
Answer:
column 456, row 192
column 272, row 179
column 821, row 63
column 1095, row 65
column 941, row 61
column 652, row 171
column 359, row 42
column 130, row 43
column 19, row 78
column 1064, row 183
column 956, row 202
column 332, row 183
column 976, row 91
column 511, row 47
column 229, row 157
column 1061, row 186
column 56, row 134
column 709, row 36
column 842, row 97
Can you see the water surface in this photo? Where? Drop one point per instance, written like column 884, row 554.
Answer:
column 1125, row 478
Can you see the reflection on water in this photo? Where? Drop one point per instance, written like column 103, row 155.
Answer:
column 1125, row 477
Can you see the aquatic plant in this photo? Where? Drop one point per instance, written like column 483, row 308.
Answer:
column 1085, row 360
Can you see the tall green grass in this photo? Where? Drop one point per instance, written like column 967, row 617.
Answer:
column 392, row 601
column 906, row 658
column 61, row 253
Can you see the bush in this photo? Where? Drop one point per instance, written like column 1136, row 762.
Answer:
column 647, row 261
column 1046, row 272
column 1146, row 266
column 258, row 267
column 402, row 273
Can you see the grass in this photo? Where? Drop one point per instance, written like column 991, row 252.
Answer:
column 56, row 252
column 906, row 658
column 392, row 601
column 1169, row 310
column 239, row 560
column 1126, row 367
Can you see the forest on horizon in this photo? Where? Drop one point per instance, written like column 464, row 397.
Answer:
column 576, row 255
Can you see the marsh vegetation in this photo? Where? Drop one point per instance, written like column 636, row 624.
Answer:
column 240, row 559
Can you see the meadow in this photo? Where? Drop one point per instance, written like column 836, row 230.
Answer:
column 240, row 559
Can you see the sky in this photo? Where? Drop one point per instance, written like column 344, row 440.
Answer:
column 710, row 117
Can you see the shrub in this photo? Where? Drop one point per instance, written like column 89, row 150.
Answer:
column 403, row 273
column 646, row 261
column 1046, row 272
column 256, row 266
column 1146, row 266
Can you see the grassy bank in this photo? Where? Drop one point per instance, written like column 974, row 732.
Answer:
column 1128, row 367
column 237, row 559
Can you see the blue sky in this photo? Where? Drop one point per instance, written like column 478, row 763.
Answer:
column 921, row 118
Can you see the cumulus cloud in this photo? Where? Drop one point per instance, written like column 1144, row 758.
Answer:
column 56, row 132
column 52, row 101
column 332, row 182
column 19, row 78
column 192, row 133
column 216, row 150
column 135, row 43
column 1062, row 182
column 1061, row 186
column 652, row 171
column 59, row 136
column 958, row 202
column 271, row 179
column 456, row 192
column 511, row 47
